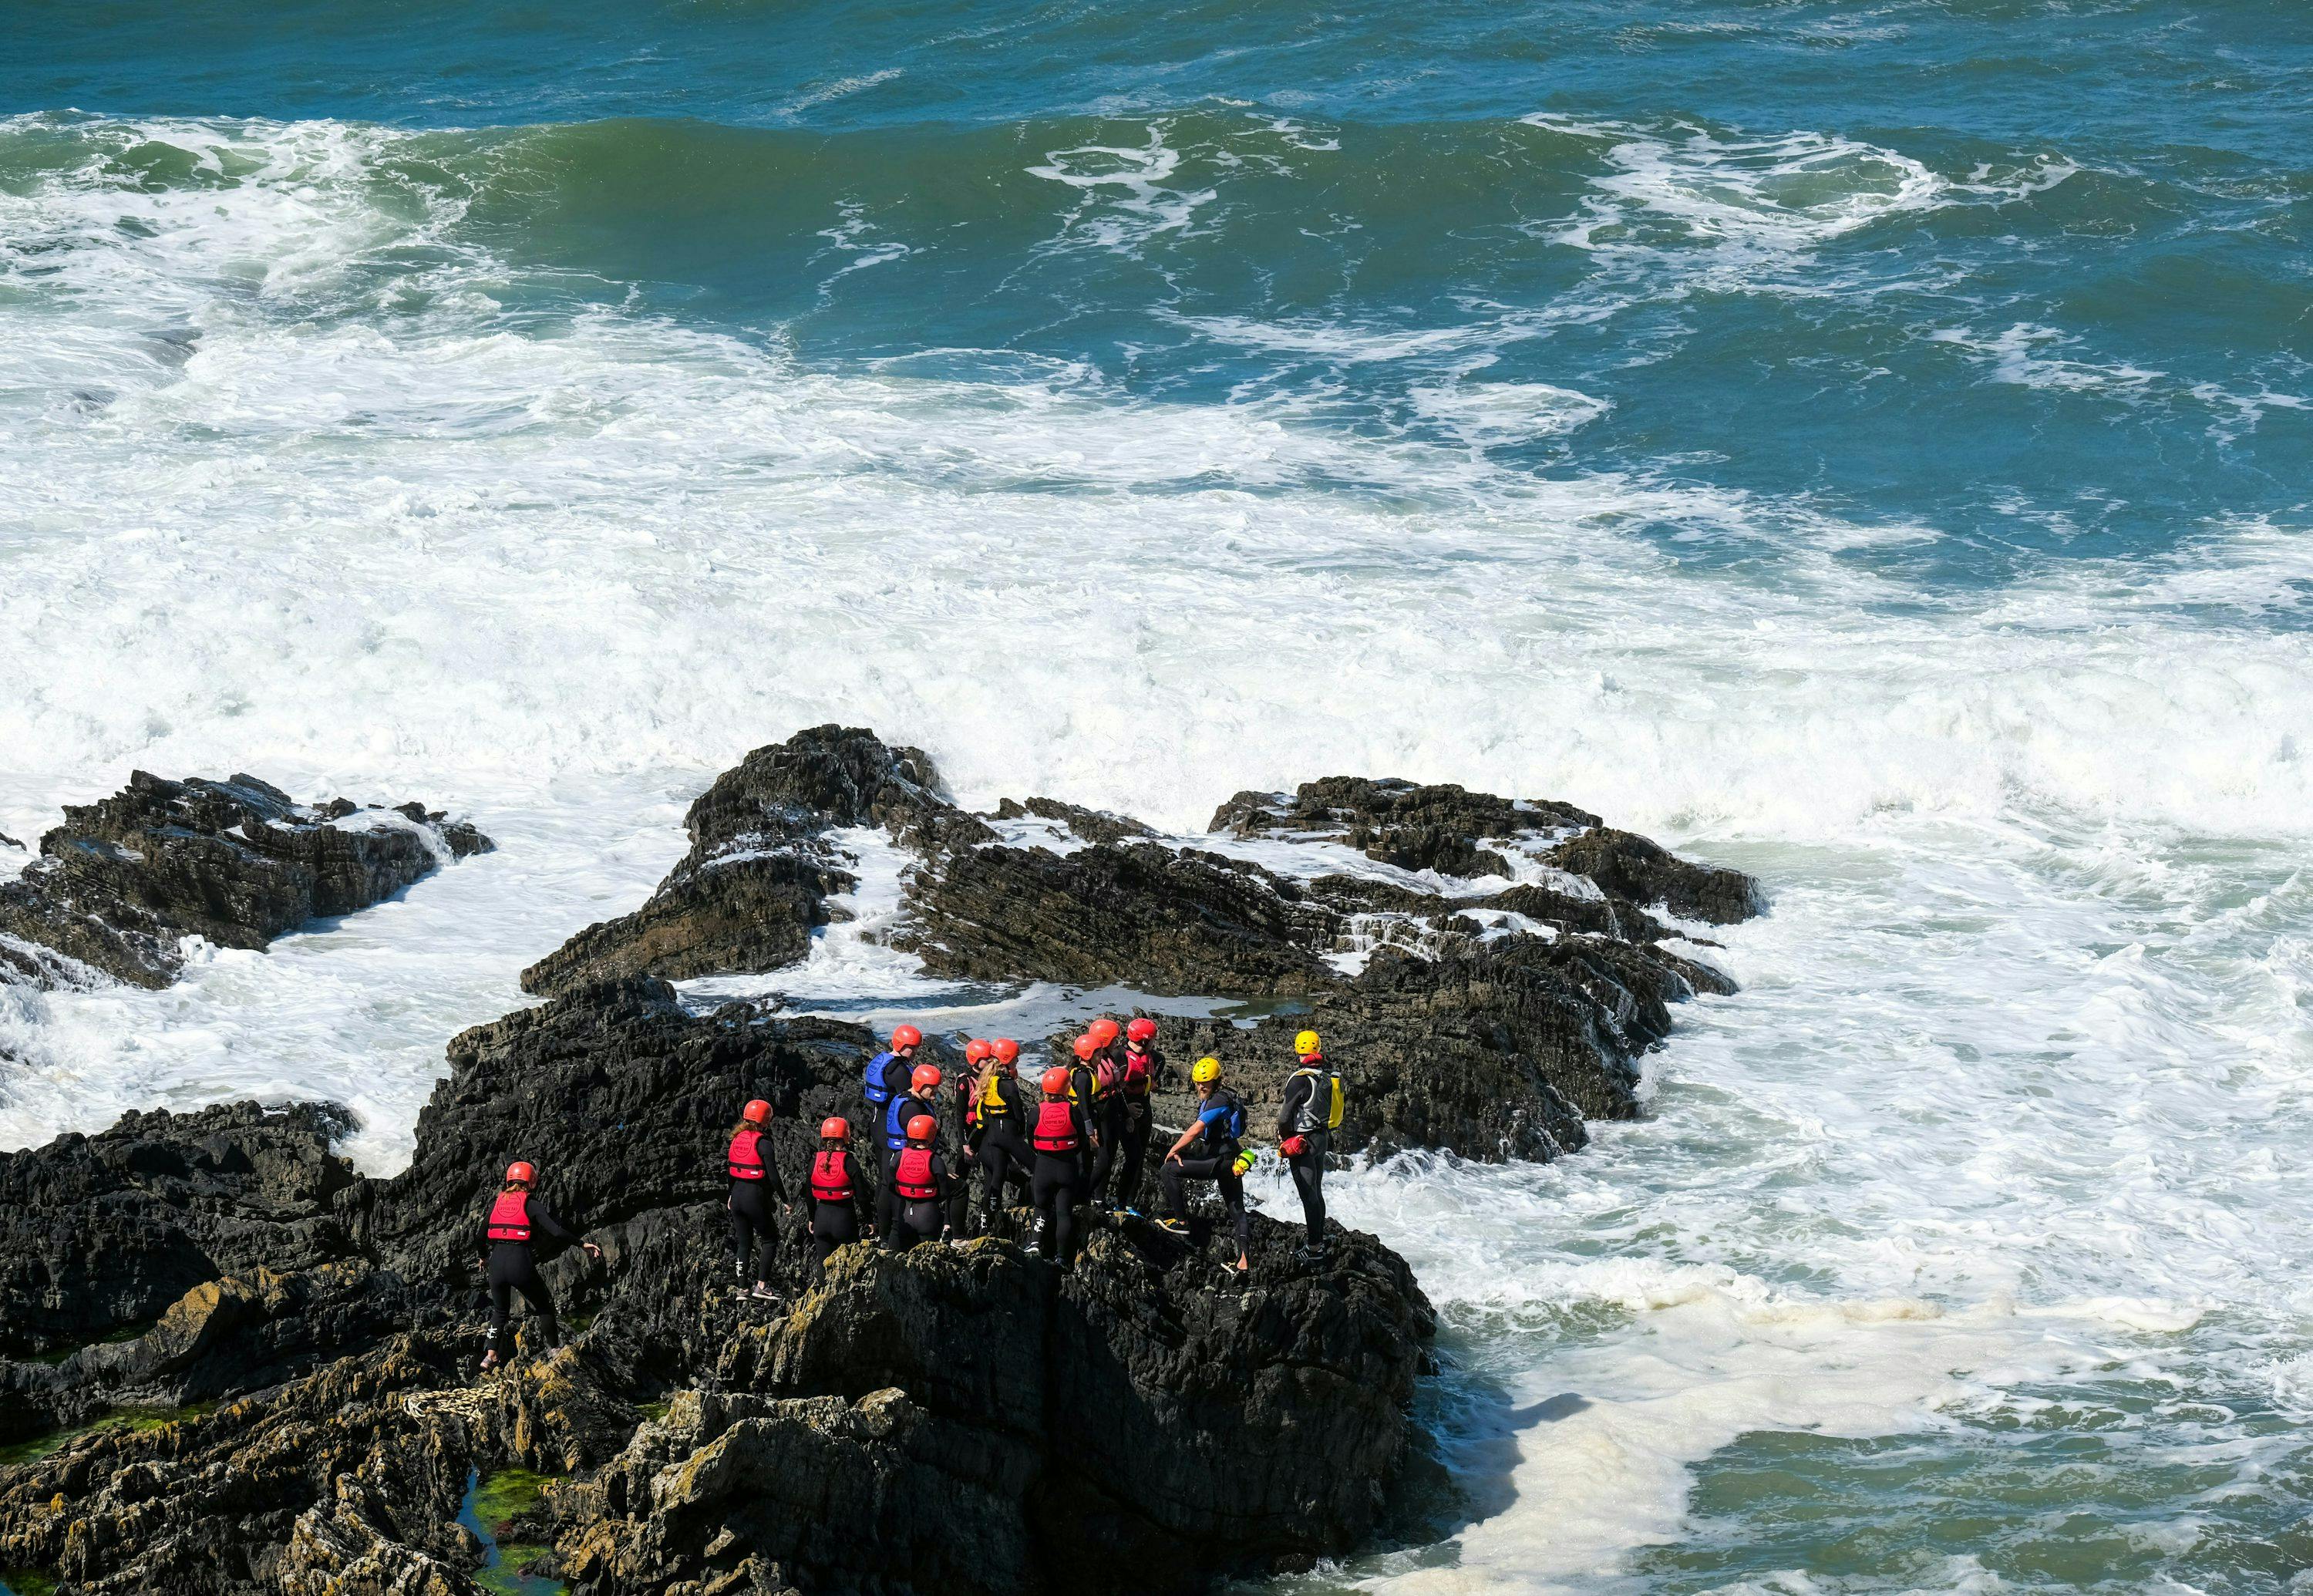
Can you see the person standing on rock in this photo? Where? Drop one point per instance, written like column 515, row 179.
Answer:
column 836, row 1192
column 1004, row 1155
column 510, row 1266
column 1107, row 1103
column 1140, row 1068
column 1220, row 1127
column 920, row 1187
column 917, row 1099
column 1305, row 1123
column 886, row 1077
column 1061, row 1132
column 968, row 1130
column 1084, row 1088
column 753, row 1183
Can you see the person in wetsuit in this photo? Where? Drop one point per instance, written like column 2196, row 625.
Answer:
column 967, row 1132
column 1105, row 1076
column 1003, row 1156
column 1142, row 1068
column 1305, row 1131
column 1219, row 1129
column 918, row 1099
column 919, row 1185
column 886, row 1077
column 754, row 1182
column 1059, row 1134
column 836, row 1192
column 517, row 1214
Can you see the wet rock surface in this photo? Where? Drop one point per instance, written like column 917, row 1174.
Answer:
column 124, row 880
column 1087, row 1420
column 1486, row 972
column 761, row 864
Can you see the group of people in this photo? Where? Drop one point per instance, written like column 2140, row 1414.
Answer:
column 1079, row 1137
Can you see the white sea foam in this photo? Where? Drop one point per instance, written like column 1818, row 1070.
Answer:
column 2021, row 1065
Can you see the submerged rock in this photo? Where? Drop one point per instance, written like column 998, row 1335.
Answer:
column 124, row 880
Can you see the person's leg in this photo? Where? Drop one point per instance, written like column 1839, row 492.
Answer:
column 1233, row 1199
column 959, row 1202
column 541, row 1303
column 995, row 1169
column 1050, row 1189
column 501, row 1305
column 739, row 1224
column 1064, row 1216
column 1173, row 1177
column 1135, row 1159
column 1108, row 1121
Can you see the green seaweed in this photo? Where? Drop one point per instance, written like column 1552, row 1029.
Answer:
column 509, row 1574
column 490, row 1504
column 654, row 1411
column 134, row 1420
column 27, row 1582
column 506, row 1494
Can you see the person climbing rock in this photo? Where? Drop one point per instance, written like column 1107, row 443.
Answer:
column 1003, row 1156
column 1141, row 1068
column 968, row 1130
column 753, row 1183
column 920, row 1185
column 1219, row 1129
column 886, row 1076
column 1060, row 1134
column 918, row 1099
column 836, row 1192
column 1305, row 1123
column 510, row 1265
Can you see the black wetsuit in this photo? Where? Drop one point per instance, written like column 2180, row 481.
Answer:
column 1307, row 1166
column 1004, row 1155
column 512, row 1267
column 832, row 1222
column 918, row 1219
column 896, row 1072
column 1055, row 1184
column 1220, row 1125
column 1134, row 1123
column 754, row 1238
column 888, row 1155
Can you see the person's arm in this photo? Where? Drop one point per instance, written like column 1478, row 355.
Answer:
column 771, row 1170
column 1196, row 1129
column 543, row 1218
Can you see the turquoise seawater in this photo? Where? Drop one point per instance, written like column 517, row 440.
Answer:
column 1868, row 443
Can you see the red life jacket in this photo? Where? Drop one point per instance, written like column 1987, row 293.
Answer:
column 913, row 1177
column 830, row 1176
column 510, row 1217
column 1135, row 1073
column 746, row 1156
column 1056, row 1127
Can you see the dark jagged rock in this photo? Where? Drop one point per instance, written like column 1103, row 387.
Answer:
column 1399, row 823
column 761, row 867
column 1631, row 867
column 99, row 1233
column 1091, row 826
column 1145, row 1393
column 1161, row 919
column 239, row 862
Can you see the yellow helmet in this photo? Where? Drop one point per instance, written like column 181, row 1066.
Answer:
column 1306, row 1044
column 1206, row 1069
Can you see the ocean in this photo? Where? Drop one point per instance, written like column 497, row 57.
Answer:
column 1868, row 444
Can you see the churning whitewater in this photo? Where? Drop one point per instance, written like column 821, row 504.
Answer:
column 1880, row 488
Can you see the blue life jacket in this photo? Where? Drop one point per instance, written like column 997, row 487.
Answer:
column 905, row 1106
column 1222, row 1120
column 878, row 1094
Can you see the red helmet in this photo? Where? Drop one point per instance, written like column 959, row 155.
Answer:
column 756, row 1112
column 1140, row 1030
column 835, row 1128
column 1056, row 1081
column 976, row 1050
column 1005, row 1050
column 922, row 1127
column 1103, row 1032
column 926, row 1077
column 906, row 1036
column 1087, row 1047
column 518, row 1170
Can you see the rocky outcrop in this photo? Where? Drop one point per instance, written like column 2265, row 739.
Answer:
column 1104, row 1413
column 1628, row 866
column 1414, row 827
column 761, row 864
column 124, row 880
